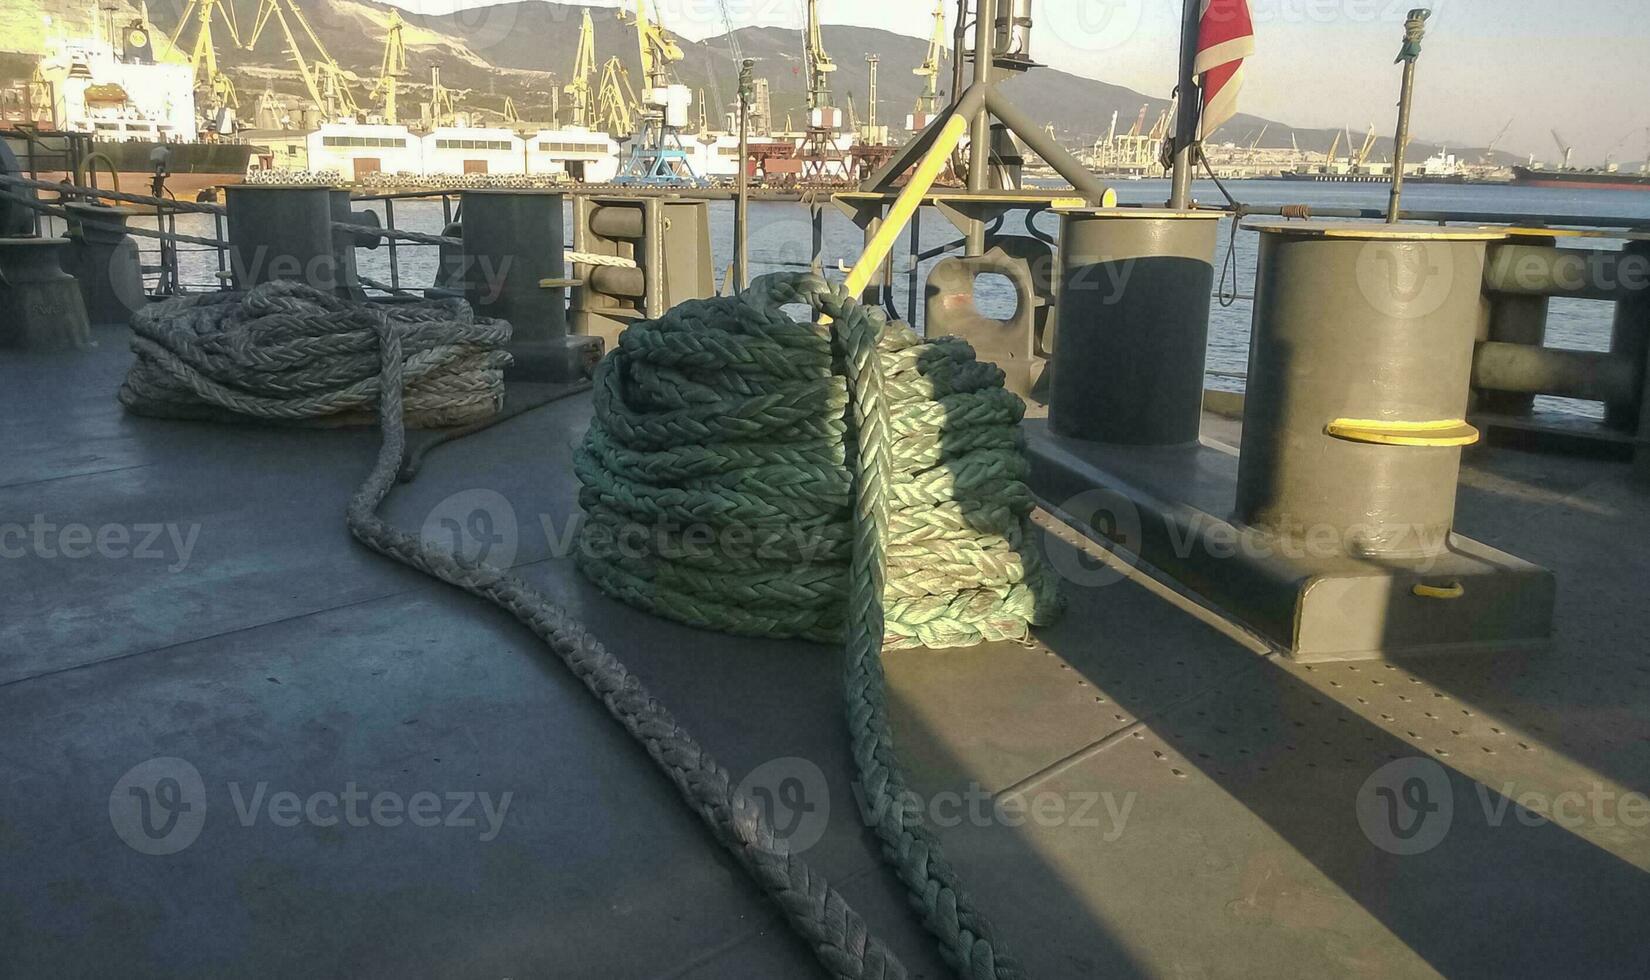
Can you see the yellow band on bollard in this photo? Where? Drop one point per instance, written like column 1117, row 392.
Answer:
column 1386, row 432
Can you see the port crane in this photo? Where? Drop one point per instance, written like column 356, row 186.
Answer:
column 1489, row 151
column 616, row 105
column 656, row 153
column 584, row 66
column 393, row 68
column 324, row 80
column 929, row 71
column 203, row 53
column 442, row 110
column 1362, row 156
column 819, row 148
column 1564, row 147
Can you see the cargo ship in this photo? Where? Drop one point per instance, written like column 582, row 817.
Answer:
column 140, row 113
column 1603, row 180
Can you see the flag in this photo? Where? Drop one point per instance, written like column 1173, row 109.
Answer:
column 1225, row 36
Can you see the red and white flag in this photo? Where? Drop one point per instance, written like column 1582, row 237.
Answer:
column 1225, row 36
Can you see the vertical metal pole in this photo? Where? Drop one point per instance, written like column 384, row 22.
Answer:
column 741, row 201
column 389, row 222
column 816, row 214
column 916, row 250
column 223, row 256
column 1414, row 31
column 1191, row 103
column 959, row 38
column 979, row 127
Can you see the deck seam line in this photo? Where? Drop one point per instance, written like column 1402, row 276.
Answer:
column 434, row 586
column 1106, row 741
column 71, row 476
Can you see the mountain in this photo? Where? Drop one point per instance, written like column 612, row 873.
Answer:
column 525, row 49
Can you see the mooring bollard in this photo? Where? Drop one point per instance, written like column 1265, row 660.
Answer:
column 40, row 304
column 1133, row 320
column 515, row 269
column 105, row 262
column 285, row 231
column 1359, row 368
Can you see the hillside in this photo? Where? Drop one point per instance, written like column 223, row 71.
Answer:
column 525, row 49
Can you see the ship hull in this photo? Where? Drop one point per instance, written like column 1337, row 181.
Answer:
column 192, row 167
column 1580, row 180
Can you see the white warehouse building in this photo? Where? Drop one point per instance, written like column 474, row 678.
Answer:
column 582, row 154
column 359, row 149
column 471, row 150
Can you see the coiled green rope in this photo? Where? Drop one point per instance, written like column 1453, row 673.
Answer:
column 884, row 478
column 716, row 478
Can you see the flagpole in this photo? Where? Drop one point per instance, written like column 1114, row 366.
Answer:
column 1180, row 194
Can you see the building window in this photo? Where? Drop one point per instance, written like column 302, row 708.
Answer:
column 582, row 149
column 447, row 144
column 378, row 141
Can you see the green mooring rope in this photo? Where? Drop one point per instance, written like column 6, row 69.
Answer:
column 878, row 481
column 716, row 477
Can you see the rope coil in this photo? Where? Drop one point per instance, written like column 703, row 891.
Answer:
column 725, row 422
column 288, row 351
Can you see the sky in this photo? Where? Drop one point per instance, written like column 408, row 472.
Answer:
column 1581, row 67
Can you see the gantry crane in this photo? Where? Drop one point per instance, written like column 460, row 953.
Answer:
column 818, row 62
column 393, row 69
column 929, row 70
column 656, row 153
column 616, row 100
column 584, row 66
column 325, row 81
column 203, row 54
column 657, row 47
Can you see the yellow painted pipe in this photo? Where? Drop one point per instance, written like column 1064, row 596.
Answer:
column 910, row 198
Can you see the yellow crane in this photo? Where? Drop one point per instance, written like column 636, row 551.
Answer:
column 442, row 110
column 818, row 62
column 394, row 67
column 203, row 54
column 929, row 70
column 324, row 80
column 584, row 66
column 1334, row 144
column 1365, row 150
column 657, row 47
column 616, row 100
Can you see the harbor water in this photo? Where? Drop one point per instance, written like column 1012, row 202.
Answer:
column 781, row 236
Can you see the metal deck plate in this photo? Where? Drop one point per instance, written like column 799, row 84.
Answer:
column 1223, row 837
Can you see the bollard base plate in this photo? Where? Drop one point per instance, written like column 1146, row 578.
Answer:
column 1170, row 508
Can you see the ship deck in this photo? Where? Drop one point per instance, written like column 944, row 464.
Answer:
column 1218, row 784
